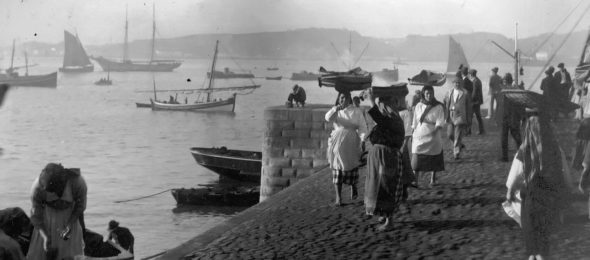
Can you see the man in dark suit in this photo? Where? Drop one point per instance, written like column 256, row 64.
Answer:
column 467, row 85
column 564, row 81
column 550, row 89
column 476, row 99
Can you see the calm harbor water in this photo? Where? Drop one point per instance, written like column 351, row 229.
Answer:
column 126, row 152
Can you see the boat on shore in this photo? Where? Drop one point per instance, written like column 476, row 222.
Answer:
column 211, row 195
column 127, row 64
column 75, row 58
column 227, row 74
column 274, row 78
column 234, row 164
column 304, row 76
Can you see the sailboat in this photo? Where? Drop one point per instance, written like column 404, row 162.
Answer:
column 75, row 57
column 209, row 104
column 456, row 58
column 128, row 65
column 12, row 77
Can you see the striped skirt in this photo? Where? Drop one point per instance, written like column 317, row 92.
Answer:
column 383, row 185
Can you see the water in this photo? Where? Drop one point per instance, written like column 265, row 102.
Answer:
column 126, row 152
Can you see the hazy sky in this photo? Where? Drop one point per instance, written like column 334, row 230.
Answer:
column 102, row 21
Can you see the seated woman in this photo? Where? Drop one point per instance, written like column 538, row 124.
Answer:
column 121, row 236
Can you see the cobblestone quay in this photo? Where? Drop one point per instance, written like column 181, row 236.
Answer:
column 460, row 219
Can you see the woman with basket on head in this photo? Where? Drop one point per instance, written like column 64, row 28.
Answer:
column 344, row 145
column 384, row 182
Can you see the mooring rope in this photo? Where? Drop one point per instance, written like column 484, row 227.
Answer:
column 119, row 201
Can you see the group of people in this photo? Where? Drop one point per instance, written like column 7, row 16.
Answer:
column 57, row 217
column 538, row 177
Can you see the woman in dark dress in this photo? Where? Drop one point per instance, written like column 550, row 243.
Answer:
column 541, row 183
column 383, row 185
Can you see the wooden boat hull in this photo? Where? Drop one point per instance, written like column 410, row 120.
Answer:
column 147, row 105
column 76, row 69
column 223, row 75
column 47, row 80
column 109, row 65
column 234, row 164
column 227, row 105
column 205, row 196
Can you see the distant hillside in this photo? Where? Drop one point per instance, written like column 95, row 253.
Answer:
column 314, row 43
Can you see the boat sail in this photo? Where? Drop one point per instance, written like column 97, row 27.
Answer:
column 128, row 65
column 75, row 57
column 209, row 104
column 456, row 58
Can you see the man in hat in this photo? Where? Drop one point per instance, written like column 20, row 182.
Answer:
column 476, row 99
column 495, row 87
column 298, row 95
column 509, row 116
column 458, row 104
column 564, row 81
column 467, row 85
column 550, row 88
column 121, row 236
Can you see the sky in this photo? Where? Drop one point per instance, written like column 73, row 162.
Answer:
column 102, row 21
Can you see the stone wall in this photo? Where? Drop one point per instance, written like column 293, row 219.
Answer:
column 294, row 147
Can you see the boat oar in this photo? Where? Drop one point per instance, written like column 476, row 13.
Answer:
column 119, row 201
column 154, row 256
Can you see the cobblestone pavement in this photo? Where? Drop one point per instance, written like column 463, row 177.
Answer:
column 459, row 219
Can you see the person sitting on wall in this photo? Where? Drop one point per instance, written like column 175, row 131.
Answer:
column 298, row 95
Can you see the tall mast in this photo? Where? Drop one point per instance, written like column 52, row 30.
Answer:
column 12, row 57
column 212, row 75
column 26, row 64
column 153, row 32
column 125, row 44
column 516, row 55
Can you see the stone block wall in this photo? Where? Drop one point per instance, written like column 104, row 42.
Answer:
column 294, row 147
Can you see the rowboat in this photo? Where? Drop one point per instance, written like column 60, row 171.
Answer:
column 235, row 164
column 211, row 196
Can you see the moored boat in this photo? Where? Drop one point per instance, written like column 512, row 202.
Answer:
column 274, row 78
column 227, row 74
column 75, row 58
column 227, row 105
column 128, row 65
column 211, row 196
column 234, row 164
column 46, row 80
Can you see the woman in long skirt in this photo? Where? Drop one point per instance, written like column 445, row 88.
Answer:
column 59, row 201
column 538, row 177
column 344, row 144
column 429, row 119
column 384, row 185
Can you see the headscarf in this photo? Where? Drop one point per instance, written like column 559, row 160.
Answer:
column 429, row 104
column 385, row 107
column 541, row 157
column 53, row 178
